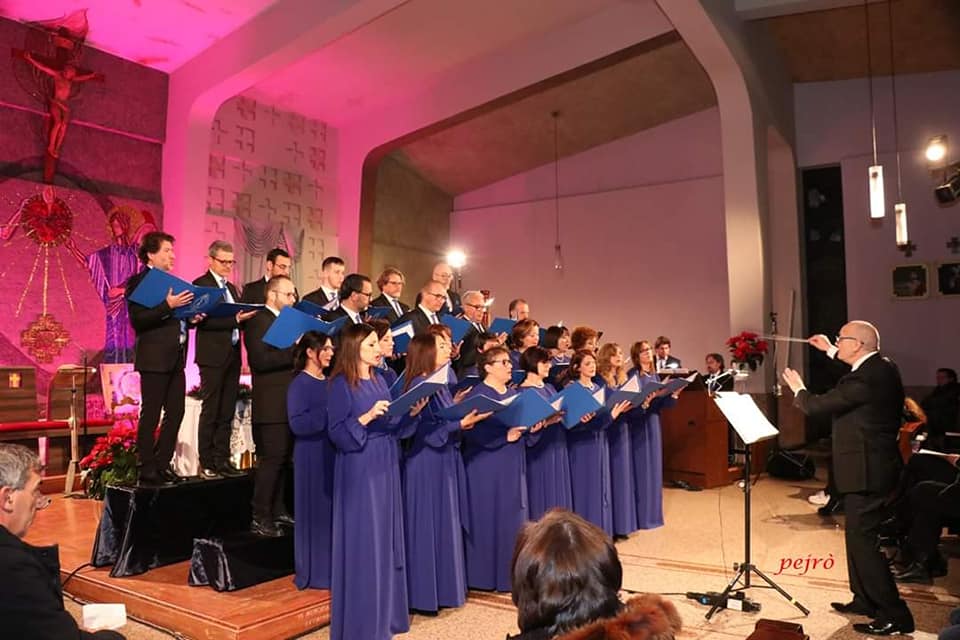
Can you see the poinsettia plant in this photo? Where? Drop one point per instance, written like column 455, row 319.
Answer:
column 747, row 347
column 112, row 461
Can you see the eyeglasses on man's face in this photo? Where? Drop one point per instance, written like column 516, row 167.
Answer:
column 229, row 263
column 838, row 338
column 436, row 295
column 501, row 362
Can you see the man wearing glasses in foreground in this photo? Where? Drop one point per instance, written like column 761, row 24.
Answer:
column 31, row 597
column 866, row 406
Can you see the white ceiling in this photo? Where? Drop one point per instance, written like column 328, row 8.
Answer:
column 162, row 34
column 403, row 51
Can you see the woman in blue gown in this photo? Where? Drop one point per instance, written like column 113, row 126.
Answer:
column 548, row 466
column 613, row 372
column 589, row 450
column 313, row 462
column 434, row 486
column 495, row 463
column 647, row 443
column 385, row 337
column 525, row 334
column 369, row 588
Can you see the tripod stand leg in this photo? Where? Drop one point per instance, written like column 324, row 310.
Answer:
column 726, row 592
column 786, row 595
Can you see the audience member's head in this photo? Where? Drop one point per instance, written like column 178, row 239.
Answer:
column 946, row 376
column 20, row 496
column 912, row 411
column 565, row 574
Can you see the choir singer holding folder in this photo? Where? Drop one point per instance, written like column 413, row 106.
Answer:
column 159, row 357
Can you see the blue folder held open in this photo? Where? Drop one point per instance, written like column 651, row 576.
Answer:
column 458, row 327
column 425, row 388
column 501, row 325
column 479, row 402
column 378, row 312
column 291, row 324
column 579, row 401
column 527, row 409
column 310, row 308
column 226, row 309
column 155, row 286
column 402, row 333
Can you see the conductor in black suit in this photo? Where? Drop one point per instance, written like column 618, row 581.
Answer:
column 277, row 264
column 217, row 356
column 159, row 354
column 866, row 406
column 272, row 370
column 432, row 297
column 391, row 283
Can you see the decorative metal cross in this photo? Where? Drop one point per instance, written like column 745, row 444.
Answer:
column 954, row 245
column 908, row 248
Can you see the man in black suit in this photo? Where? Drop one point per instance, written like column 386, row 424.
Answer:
column 443, row 273
column 217, row 355
column 866, row 406
column 432, row 297
column 354, row 296
column 718, row 378
column 664, row 360
column 159, row 354
column 278, row 264
column 272, row 371
column 31, row 595
column 473, row 308
column 332, row 273
column 391, row 283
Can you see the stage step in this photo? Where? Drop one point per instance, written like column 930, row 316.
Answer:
column 240, row 560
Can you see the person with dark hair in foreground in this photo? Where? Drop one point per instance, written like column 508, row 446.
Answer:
column 566, row 581
column 31, row 596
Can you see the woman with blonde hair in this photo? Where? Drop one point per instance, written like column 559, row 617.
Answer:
column 613, row 370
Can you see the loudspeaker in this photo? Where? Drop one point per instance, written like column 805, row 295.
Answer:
column 790, row 465
column 767, row 629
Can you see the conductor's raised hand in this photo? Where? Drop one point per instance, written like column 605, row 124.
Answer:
column 820, row 341
column 793, row 380
column 378, row 409
column 181, row 299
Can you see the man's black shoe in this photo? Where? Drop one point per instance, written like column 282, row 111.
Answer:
column 854, row 607
column 283, row 518
column 208, row 473
column 265, row 529
column 884, row 627
column 915, row 573
column 170, row 476
column 833, row 507
column 227, row 471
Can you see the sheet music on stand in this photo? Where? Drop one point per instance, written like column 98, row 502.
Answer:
column 745, row 417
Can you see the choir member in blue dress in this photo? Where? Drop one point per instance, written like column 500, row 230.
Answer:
column 548, row 466
column 525, row 334
column 584, row 339
column 495, row 461
column 589, row 450
column 613, row 371
column 369, row 587
column 647, row 443
column 556, row 340
column 313, row 461
column 434, row 486
column 385, row 337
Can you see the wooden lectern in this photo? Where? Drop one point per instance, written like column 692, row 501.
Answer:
column 695, row 441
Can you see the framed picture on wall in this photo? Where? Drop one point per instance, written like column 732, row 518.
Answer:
column 910, row 281
column 948, row 278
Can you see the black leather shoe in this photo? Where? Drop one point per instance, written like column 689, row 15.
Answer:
column 283, row 518
column 209, row 474
column 915, row 573
column 854, row 607
column 228, row 471
column 884, row 627
column 170, row 476
column 265, row 529
column 835, row 506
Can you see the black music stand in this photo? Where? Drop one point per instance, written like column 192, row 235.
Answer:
column 752, row 426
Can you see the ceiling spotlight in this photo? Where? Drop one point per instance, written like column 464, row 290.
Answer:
column 456, row 258
column 949, row 191
column 936, row 151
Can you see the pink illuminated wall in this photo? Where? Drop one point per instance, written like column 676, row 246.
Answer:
column 833, row 128
column 643, row 243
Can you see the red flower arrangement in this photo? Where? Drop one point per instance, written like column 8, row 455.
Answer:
column 747, row 347
column 112, row 461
